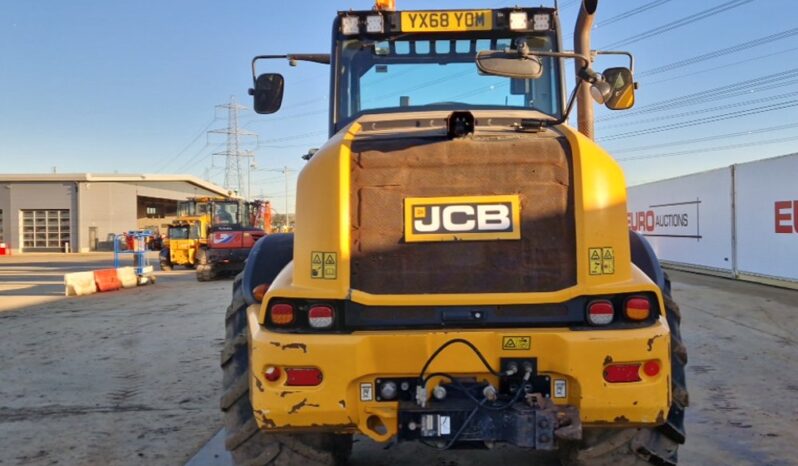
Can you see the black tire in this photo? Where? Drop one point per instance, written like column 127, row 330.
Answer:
column 205, row 271
column 247, row 444
column 164, row 260
column 645, row 446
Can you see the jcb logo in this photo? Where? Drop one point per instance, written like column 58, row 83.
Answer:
column 462, row 218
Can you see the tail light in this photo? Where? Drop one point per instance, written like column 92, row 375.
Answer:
column 620, row 373
column 260, row 291
column 651, row 368
column 637, row 308
column 281, row 314
column 320, row 316
column 272, row 373
column 600, row 312
column 303, row 376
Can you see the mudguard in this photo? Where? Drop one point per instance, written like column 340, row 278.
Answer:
column 266, row 259
column 644, row 257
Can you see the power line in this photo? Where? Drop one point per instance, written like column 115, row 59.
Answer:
column 719, row 67
column 681, row 22
column 703, row 121
column 671, row 116
column 711, row 149
column 233, row 174
column 706, row 138
column 177, row 156
column 720, row 52
column 630, row 13
column 761, row 83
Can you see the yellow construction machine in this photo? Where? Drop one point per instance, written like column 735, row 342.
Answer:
column 462, row 273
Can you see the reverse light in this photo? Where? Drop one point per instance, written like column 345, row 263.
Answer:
column 321, row 316
column 541, row 22
column 272, row 374
column 518, row 20
column 600, row 312
column 622, row 373
column 374, row 23
column 303, row 376
column 350, row 25
column 637, row 308
column 281, row 314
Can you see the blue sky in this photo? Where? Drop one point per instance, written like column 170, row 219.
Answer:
column 103, row 86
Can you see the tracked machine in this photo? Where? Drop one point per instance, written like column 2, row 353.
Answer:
column 213, row 235
column 462, row 274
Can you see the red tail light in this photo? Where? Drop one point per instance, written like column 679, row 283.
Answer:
column 637, row 308
column 620, row 373
column 281, row 314
column 272, row 373
column 651, row 368
column 600, row 312
column 321, row 316
column 303, row 377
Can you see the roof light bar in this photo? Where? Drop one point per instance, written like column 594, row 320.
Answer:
column 350, row 25
column 518, row 20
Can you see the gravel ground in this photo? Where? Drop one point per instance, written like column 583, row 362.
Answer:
column 132, row 377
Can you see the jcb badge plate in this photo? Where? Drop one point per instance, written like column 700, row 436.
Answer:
column 467, row 218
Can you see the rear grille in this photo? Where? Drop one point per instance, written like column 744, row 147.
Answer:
column 536, row 167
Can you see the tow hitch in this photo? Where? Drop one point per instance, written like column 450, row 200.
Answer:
column 466, row 411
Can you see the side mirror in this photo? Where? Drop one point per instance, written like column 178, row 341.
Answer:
column 509, row 65
column 618, row 90
column 268, row 93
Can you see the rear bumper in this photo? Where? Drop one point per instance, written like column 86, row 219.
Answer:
column 233, row 257
column 352, row 361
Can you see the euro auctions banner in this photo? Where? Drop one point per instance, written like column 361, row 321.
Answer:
column 767, row 217
column 687, row 220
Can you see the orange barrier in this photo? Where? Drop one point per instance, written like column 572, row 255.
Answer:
column 107, row 280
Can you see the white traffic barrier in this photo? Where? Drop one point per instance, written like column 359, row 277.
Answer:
column 127, row 275
column 79, row 284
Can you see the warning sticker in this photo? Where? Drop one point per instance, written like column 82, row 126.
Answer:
column 324, row 265
column 516, row 343
column 601, row 261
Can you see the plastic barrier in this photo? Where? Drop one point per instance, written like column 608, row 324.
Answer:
column 79, row 284
column 5, row 249
column 127, row 276
column 107, row 280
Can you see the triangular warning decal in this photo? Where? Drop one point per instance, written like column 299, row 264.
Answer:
column 595, row 255
column 330, row 260
column 509, row 343
column 607, row 253
column 317, row 258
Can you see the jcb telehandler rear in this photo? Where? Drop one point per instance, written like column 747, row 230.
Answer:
column 462, row 273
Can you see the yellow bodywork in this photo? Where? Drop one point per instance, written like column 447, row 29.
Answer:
column 578, row 357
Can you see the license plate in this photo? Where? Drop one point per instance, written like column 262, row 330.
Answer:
column 441, row 21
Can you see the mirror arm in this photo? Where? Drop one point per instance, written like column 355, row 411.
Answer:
column 322, row 58
column 619, row 52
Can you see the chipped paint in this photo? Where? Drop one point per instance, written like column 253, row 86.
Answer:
column 286, row 392
column 301, row 346
column 651, row 342
column 621, row 419
column 274, row 343
column 295, row 409
column 258, row 383
column 342, row 404
column 608, row 360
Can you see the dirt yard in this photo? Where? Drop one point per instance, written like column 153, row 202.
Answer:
column 132, row 377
